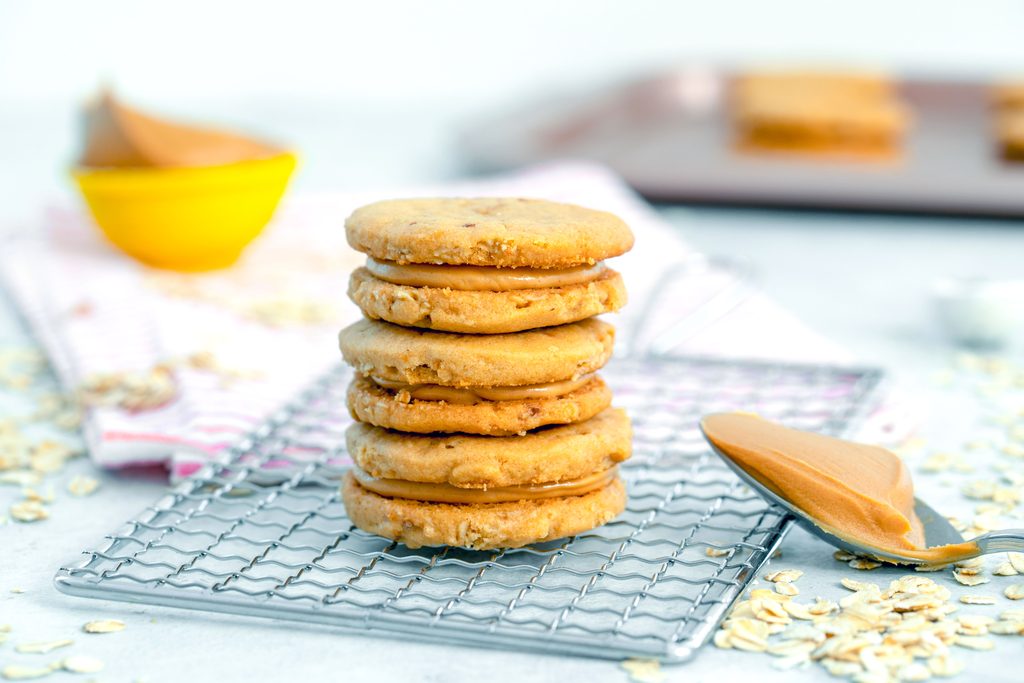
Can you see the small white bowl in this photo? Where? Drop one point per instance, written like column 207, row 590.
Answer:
column 978, row 312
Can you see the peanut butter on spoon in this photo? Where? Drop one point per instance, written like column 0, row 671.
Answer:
column 119, row 136
column 859, row 493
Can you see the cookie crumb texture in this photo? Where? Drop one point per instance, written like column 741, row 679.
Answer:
column 415, row 356
column 484, row 312
column 487, row 231
column 480, row 527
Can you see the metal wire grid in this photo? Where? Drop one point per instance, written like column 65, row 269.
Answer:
column 265, row 533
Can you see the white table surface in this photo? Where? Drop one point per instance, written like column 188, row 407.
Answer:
column 863, row 280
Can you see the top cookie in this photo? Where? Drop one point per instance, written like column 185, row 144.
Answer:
column 487, row 231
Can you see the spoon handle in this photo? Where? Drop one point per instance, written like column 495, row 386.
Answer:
column 1007, row 540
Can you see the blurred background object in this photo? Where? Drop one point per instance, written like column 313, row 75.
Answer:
column 391, row 84
column 176, row 195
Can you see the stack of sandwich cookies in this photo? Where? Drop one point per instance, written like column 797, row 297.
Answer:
column 500, row 437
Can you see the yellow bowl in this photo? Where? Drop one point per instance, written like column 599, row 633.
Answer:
column 185, row 218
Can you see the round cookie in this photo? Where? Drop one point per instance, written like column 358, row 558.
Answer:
column 483, row 526
column 415, row 356
column 368, row 402
column 485, row 312
column 487, row 231
column 556, row 454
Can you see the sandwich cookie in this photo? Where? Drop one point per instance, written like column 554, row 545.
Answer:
column 422, row 381
column 487, row 492
column 485, row 265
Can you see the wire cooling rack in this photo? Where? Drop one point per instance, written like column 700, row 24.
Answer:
column 265, row 533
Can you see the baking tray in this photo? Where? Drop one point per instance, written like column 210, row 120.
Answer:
column 670, row 137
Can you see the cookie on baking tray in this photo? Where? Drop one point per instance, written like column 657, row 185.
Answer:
column 843, row 114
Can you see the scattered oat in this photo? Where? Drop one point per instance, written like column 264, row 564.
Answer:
column 722, row 639
column 855, row 585
column 823, row 607
column 132, row 391
column 843, row 556
column 973, row 624
column 17, row 590
column 863, row 563
column 16, row 672
column 103, row 626
column 20, row 478
column 716, row 552
column 1014, row 591
column 945, row 666
column 1017, row 560
column 644, row 670
column 43, row 647
column 975, row 642
column 798, row 611
column 969, row 579
column 748, row 634
column 1007, row 628
column 1005, row 569
column 82, row 664
column 977, row 599
column 784, row 576
column 29, row 511
column 787, row 589
column 82, row 486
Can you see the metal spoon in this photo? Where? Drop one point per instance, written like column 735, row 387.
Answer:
column 937, row 530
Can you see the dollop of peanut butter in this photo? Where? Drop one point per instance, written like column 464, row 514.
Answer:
column 446, row 493
column 471, row 395
column 859, row 492
column 119, row 136
column 481, row 278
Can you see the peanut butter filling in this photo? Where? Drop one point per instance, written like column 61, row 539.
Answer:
column 470, row 395
column 119, row 136
column 446, row 493
column 481, row 278
column 859, row 492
